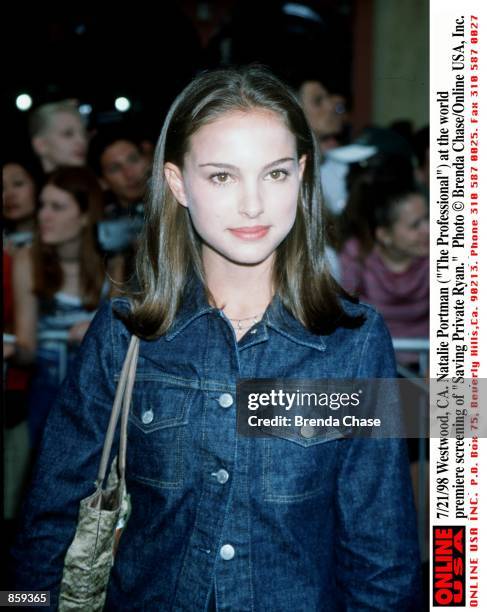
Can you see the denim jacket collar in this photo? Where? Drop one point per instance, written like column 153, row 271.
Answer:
column 277, row 317
column 195, row 305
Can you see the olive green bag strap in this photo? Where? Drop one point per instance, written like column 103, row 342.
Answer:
column 103, row 514
column 124, row 391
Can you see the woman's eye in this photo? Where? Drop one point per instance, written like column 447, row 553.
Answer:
column 278, row 175
column 221, row 178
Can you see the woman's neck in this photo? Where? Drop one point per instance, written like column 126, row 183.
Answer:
column 25, row 225
column 47, row 165
column 69, row 252
column 240, row 290
column 394, row 261
column 69, row 260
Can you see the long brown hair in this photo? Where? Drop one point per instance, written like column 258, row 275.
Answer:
column 82, row 184
column 170, row 249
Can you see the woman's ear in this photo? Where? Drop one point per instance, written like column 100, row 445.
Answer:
column 174, row 178
column 383, row 236
column 39, row 145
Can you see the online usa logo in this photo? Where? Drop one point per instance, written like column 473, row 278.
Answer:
column 449, row 566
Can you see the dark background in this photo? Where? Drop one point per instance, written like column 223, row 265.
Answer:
column 148, row 52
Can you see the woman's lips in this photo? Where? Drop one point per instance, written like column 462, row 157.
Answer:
column 250, row 233
column 11, row 206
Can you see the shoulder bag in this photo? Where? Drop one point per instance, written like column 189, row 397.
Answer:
column 102, row 515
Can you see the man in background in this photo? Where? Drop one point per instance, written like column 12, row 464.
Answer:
column 122, row 164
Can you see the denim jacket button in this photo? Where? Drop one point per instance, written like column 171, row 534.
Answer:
column 307, row 431
column 225, row 400
column 227, row 552
column 222, row 476
column 147, row 417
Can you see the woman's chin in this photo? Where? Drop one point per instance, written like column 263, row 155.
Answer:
column 424, row 251
column 241, row 257
column 248, row 260
column 48, row 240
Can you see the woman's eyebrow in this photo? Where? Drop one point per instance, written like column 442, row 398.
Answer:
column 232, row 167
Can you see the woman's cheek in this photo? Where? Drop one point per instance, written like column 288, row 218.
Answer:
column 288, row 206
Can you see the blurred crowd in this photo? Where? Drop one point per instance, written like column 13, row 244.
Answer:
column 376, row 191
column 72, row 210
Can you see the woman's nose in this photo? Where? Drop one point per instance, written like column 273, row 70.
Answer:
column 43, row 214
column 81, row 141
column 129, row 173
column 251, row 204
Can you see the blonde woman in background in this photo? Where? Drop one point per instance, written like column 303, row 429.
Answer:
column 58, row 135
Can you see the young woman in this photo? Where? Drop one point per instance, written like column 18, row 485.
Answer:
column 58, row 284
column 19, row 214
column 386, row 264
column 19, row 204
column 233, row 284
column 58, row 135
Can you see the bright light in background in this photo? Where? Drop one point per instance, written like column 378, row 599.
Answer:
column 23, row 102
column 85, row 109
column 122, row 104
column 296, row 9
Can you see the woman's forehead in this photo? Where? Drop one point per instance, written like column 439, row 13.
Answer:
column 243, row 134
column 53, row 192
column 412, row 206
column 63, row 119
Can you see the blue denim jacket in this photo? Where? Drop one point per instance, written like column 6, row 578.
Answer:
column 270, row 523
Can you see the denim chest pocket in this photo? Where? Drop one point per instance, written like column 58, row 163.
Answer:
column 297, row 467
column 156, row 430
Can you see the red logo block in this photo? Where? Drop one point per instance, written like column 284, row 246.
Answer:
column 449, row 566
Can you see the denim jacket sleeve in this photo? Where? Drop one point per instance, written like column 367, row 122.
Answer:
column 376, row 548
column 67, row 466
